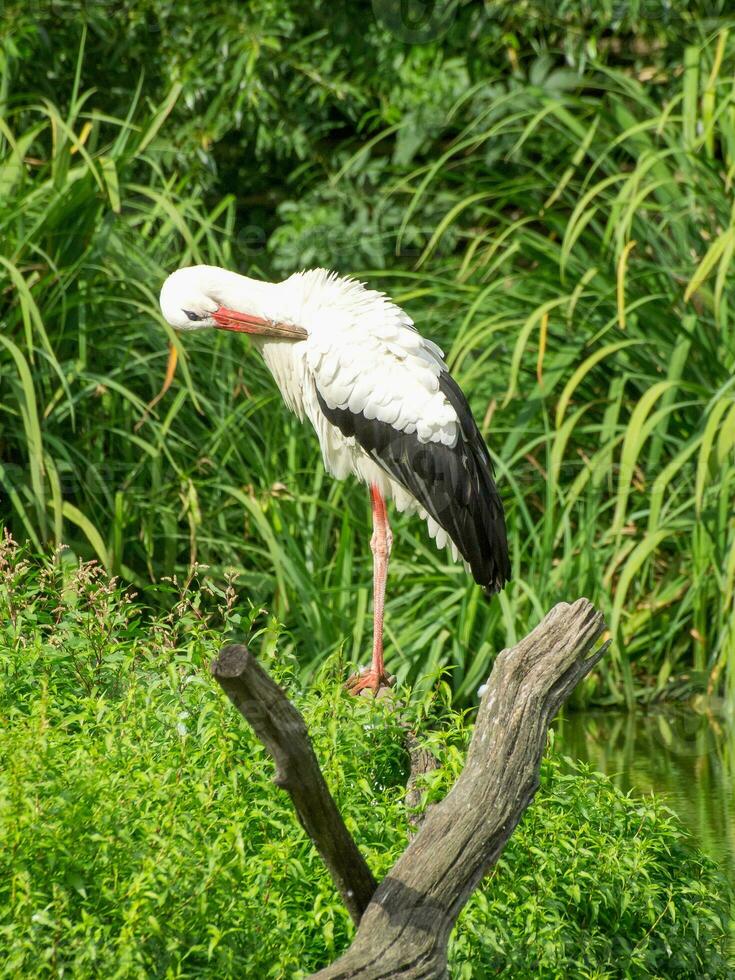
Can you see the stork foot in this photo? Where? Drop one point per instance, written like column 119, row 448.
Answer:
column 368, row 680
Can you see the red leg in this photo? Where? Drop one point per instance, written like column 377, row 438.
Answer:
column 380, row 544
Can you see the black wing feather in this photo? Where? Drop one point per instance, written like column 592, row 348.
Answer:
column 453, row 484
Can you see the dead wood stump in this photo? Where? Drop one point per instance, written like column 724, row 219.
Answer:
column 404, row 922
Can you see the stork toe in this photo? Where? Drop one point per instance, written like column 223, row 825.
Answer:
column 368, row 681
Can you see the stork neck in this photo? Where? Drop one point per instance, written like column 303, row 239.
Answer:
column 244, row 294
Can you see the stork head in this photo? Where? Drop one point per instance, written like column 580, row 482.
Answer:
column 206, row 296
column 187, row 300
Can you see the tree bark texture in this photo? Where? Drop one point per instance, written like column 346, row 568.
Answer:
column 406, row 921
column 282, row 730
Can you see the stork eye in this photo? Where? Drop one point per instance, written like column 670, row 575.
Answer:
column 192, row 315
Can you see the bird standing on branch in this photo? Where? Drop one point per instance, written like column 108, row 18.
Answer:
column 382, row 402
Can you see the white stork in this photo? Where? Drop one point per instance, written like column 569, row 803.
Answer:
column 381, row 400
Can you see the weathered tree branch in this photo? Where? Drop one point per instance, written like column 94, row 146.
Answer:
column 405, row 927
column 405, row 930
column 281, row 729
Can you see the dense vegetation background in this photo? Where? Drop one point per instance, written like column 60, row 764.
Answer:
column 547, row 188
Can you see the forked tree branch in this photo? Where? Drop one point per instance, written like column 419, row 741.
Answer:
column 405, row 928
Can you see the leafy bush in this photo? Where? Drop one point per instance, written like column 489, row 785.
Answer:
column 141, row 834
column 273, row 84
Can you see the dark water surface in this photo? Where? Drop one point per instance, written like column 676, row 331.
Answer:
column 676, row 753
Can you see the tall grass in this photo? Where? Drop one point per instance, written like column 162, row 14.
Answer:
column 596, row 309
column 577, row 235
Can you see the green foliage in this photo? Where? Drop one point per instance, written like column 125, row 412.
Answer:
column 141, row 834
column 592, row 888
column 495, row 186
column 684, row 755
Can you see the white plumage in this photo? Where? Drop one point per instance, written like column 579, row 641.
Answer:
column 363, row 354
column 379, row 397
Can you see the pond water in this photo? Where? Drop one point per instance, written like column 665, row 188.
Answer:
column 678, row 754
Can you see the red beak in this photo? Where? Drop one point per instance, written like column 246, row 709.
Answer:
column 227, row 319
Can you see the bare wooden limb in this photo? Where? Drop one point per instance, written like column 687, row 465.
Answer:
column 405, row 930
column 404, row 925
column 281, row 729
